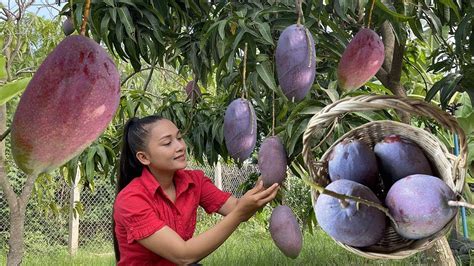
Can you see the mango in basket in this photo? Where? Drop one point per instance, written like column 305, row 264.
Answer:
column 420, row 205
column 399, row 158
column 346, row 221
column 353, row 160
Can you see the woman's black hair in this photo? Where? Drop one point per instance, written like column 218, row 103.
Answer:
column 135, row 136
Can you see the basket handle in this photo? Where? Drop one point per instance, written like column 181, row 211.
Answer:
column 328, row 115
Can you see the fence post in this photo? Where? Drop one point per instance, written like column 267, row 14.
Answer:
column 73, row 242
column 218, row 175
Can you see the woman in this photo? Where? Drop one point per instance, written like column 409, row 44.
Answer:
column 155, row 208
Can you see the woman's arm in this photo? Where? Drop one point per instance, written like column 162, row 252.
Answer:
column 228, row 206
column 168, row 244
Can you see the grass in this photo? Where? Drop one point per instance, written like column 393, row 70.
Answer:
column 62, row 258
column 251, row 244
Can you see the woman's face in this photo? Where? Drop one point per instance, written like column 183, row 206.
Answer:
column 166, row 150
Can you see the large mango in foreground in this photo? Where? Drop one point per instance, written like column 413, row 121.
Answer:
column 67, row 104
column 295, row 59
column 361, row 60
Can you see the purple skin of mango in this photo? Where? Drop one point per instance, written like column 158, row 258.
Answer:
column 272, row 161
column 354, row 160
column 68, row 26
column 399, row 158
column 360, row 226
column 419, row 205
column 240, row 129
column 295, row 68
column 192, row 91
column 361, row 60
column 68, row 103
column 285, row 231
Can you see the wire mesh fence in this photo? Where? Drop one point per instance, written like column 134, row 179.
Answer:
column 47, row 232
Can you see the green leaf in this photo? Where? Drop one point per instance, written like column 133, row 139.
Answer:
column 266, row 74
column 296, row 136
column 3, row 69
column 264, row 30
column 449, row 89
column 237, row 39
column 434, row 21
column 221, row 28
column 109, row 3
column 131, row 4
column 126, row 20
column 104, row 30
column 113, row 14
column 451, row 5
column 417, row 28
column 119, row 34
column 11, row 89
column 394, row 14
column 341, row 6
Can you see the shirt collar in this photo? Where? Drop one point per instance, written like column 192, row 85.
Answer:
column 182, row 180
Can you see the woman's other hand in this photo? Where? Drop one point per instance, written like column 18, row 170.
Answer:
column 254, row 199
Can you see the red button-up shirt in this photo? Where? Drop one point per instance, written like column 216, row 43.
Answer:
column 142, row 208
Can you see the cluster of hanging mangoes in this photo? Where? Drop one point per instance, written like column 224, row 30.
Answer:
column 295, row 60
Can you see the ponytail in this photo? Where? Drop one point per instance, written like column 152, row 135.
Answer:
column 135, row 136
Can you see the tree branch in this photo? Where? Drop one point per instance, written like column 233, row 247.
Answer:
column 5, row 134
column 388, row 39
column 28, row 188
column 382, row 75
column 397, row 63
column 10, row 195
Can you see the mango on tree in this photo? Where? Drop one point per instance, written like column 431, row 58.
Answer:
column 272, row 161
column 240, row 129
column 68, row 103
column 285, row 231
column 361, row 60
column 295, row 59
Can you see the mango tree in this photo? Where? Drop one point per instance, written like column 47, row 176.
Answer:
column 208, row 40
column 424, row 41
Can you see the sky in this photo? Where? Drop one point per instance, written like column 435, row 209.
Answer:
column 45, row 8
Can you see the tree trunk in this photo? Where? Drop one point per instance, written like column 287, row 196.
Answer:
column 16, row 241
column 440, row 254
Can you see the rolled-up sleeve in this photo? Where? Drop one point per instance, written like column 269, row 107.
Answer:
column 212, row 198
column 137, row 216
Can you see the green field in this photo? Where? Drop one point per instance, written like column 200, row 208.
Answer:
column 251, row 244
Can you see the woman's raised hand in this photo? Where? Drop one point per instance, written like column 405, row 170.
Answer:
column 254, row 199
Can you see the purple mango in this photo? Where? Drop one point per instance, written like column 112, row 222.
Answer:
column 295, row 62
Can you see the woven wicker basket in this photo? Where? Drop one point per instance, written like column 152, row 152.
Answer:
column 446, row 166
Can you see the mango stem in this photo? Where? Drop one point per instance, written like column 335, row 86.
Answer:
column 454, row 203
column 310, row 49
column 85, row 17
